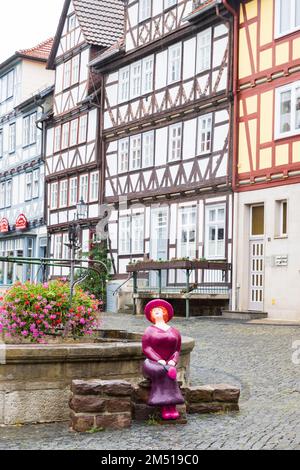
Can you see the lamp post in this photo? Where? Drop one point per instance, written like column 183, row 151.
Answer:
column 74, row 245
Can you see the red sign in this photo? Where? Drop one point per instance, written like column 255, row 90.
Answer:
column 4, row 226
column 21, row 222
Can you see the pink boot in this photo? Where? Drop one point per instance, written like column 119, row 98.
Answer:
column 173, row 413
column 165, row 413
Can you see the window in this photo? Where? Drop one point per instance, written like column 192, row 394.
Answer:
column 73, row 191
column 74, row 132
column 65, row 135
column 54, row 194
column 57, row 137
column 83, row 188
column 1, row 143
column 35, row 183
column 71, row 23
column 175, row 142
column 137, row 233
column 170, row 3
column 83, row 129
column 28, row 186
column 2, row 195
column 148, row 149
column 67, row 74
column 204, row 50
column 63, row 193
column 124, row 235
column 174, row 67
column 287, row 119
column 29, row 130
column 135, row 152
column 75, row 70
column 144, row 9
column 123, row 155
column 204, row 134
column 187, row 232
column 287, row 16
column 215, row 232
column 124, row 84
column 57, row 246
column 135, row 79
column 257, row 221
column 147, row 75
column 94, row 186
column 12, row 138
column 66, row 248
column 7, row 86
column 8, row 195
column 281, row 219
column 5, row 194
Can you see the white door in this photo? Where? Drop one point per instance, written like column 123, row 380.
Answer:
column 256, row 257
column 159, row 242
column 257, row 262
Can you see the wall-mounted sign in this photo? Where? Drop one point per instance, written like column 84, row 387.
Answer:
column 4, row 226
column 281, row 260
column 21, row 222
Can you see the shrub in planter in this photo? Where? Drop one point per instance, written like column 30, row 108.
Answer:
column 33, row 311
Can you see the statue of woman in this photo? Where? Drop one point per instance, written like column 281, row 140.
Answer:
column 161, row 346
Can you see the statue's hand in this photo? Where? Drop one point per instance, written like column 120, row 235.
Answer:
column 172, row 363
column 162, row 362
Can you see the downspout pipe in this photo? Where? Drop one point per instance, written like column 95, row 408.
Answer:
column 235, row 15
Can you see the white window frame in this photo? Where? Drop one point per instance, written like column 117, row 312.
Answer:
column 124, row 84
column 189, row 227
column 135, row 79
column 137, row 233
column 67, row 74
column 123, row 155
column 144, row 10
column 28, row 185
column 63, row 193
column 124, row 234
column 147, row 74
column 177, row 140
column 293, row 27
column 204, row 50
column 217, row 224
column 94, row 186
column 1, row 143
column 291, row 87
column 65, row 141
column 8, row 193
column 35, row 183
column 12, row 138
column 84, row 188
column 57, row 139
column 54, row 195
column 148, row 149
column 135, row 152
column 75, row 70
column 73, row 191
column 83, row 128
column 176, row 61
column 2, row 194
column 29, row 129
column 73, row 132
column 206, row 132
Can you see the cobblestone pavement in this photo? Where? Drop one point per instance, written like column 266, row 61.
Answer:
column 256, row 357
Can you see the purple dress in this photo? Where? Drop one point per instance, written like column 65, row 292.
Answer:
column 157, row 345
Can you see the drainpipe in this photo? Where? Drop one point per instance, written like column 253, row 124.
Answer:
column 235, row 212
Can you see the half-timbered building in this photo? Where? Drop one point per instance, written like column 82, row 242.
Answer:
column 86, row 28
column 25, row 96
column 267, row 159
column 167, row 146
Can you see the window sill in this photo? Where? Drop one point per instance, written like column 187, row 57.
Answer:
column 286, row 35
column 281, row 237
column 287, row 135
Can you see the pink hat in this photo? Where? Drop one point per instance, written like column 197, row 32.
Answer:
column 156, row 304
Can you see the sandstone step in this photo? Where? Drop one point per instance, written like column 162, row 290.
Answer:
column 243, row 315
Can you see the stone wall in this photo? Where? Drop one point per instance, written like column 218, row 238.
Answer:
column 115, row 404
column 35, row 379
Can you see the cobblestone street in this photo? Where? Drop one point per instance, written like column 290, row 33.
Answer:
column 256, row 357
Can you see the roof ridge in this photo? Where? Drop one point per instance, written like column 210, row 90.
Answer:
column 48, row 41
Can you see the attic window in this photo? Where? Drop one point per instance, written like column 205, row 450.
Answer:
column 71, row 23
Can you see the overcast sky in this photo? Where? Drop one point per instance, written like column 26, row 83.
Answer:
column 25, row 23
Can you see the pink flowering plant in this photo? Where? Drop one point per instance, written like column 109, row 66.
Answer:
column 34, row 311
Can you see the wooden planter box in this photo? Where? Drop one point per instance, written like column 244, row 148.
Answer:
column 177, row 264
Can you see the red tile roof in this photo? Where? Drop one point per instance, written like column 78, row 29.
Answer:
column 40, row 51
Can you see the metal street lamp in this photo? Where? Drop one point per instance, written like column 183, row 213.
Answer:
column 81, row 210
